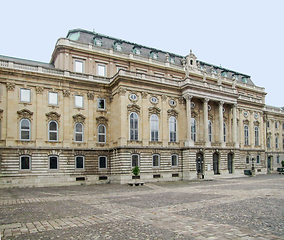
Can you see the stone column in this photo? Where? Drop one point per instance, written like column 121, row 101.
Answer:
column 205, row 112
column 235, row 134
column 221, row 127
column 189, row 141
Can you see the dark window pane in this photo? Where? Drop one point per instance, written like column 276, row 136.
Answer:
column 79, row 162
column 53, row 136
column 52, row 126
column 25, row 135
column 102, row 162
column 25, row 163
column 53, row 162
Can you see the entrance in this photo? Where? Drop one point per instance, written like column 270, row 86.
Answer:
column 199, row 165
column 216, row 163
column 269, row 163
column 230, row 163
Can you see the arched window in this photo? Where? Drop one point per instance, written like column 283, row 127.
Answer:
column 133, row 126
column 193, row 129
column 101, row 133
column 156, row 160
column 52, row 131
column 25, row 130
column 173, row 129
column 256, row 136
column 224, row 132
column 154, row 124
column 135, row 160
column 246, row 132
column 210, row 130
column 79, row 132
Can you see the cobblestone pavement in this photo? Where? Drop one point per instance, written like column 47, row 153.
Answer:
column 243, row 208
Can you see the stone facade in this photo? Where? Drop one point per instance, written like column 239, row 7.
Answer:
column 103, row 105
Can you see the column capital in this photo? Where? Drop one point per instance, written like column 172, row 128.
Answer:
column 221, row 103
column 188, row 97
column 206, row 100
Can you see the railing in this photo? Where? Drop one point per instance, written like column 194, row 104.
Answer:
column 3, row 64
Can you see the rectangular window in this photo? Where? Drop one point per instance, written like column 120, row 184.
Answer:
column 25, row 95
column 278, row 160
column 25, row 163
column 257, row 159
column 52, row 98
column 101, row 104
column 79, row 162
column 247, row 159
column 79, row 101
column 53, row 162
column 79, row 66
column 102, row 162
column 268, row 124
column 174, row 160
column 101, row 70
column 156, row 160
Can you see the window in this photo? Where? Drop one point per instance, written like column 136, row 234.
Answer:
column 210, row 130
column 276, row 143
column 154, row 55
column 173, row 129
column 133, row 126
column 135, row 160
column 79, row 101
column 25, row 162
column 283, row 141
column 156, row 160
column 154, row 124
column 276, row 125
column 101, row 70
column 78, row 66
column 53, row 162
column 247, row 159
column 268, row 143
column 133, row 97
column 118, row 47
column 154, row 100
column 25, row 130
column 52, row 98
column 256, row 136
column 137, row 51
column 172, row 60
column 52, row 131
column 278, row 159
column 257, row 159
column 283, row 126
column 79, row 162
column 224, row 74
column 25, row 95
column 101, row 133
column 246, row 131
column 101, row 103
column 193, row 129
column 98, row 42
column 79, row 132
column 245, row 80
column 174, row 160
column 268, row 124
column 224, row 131
column 102, row 162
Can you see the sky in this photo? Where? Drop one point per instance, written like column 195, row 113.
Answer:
column 242, row 35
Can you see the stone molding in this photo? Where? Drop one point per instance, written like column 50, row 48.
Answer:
column 101, row 120
column 53, row 116
column 25, row 113
column 79, row 118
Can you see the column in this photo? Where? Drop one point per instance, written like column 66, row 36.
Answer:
column 221, row 127
column 205, row 112
column 189, row 141
column 235, row 134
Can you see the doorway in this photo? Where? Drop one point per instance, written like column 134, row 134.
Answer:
column 230, row 162
column 199, row 165
column 216, row 163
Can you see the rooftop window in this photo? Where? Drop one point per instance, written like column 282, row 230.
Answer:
column 98, row 42
column 154, row 55
column 74, row 36
column 224, row 74
column 118, row 46
column 245, row 80
column 137, row 50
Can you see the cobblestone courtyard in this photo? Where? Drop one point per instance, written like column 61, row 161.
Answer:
column 243, row 208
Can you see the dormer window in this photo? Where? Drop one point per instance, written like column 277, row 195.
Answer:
column 118, row 46
column 154, row 55
column 224, row 74
column 98, row 42
column 236, row 77
column 172, row 60
column 137, row 50
column 245, row 80
column 213, row 70
column 74, row 36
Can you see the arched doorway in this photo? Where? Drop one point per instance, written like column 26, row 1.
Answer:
column 199, row 165
column 216, row 163
column 230, row 162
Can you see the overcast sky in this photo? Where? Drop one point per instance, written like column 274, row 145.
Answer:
column 243, row 35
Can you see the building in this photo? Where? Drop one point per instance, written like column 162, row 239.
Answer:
column 104, row 105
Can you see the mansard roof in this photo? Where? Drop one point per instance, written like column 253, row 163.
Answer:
column 108, row 42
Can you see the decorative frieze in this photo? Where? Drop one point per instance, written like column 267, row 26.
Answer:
column 101, row 120
column 79, row 118
column 133, row 108
column 154, row 110
column 172, row 113
column 52, row 116
column 25, row 113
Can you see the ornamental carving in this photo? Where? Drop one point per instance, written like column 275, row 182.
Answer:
column 256, row 123
column 225, row 119
column 25, row 113
column 164, row 97
column 101, row 120
column 52, row 116
column 154, row 110
column 79, row 118
column 172, row 113
column 90, row 96
column 133, row 108
column 39, row 90
column 10, row 86
column 144, row 95
column 24, row 152
column 66, row 93
column 246, row 122
column 181, row 100
column 210, row 117
column 121, row 91
column 194, row 114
